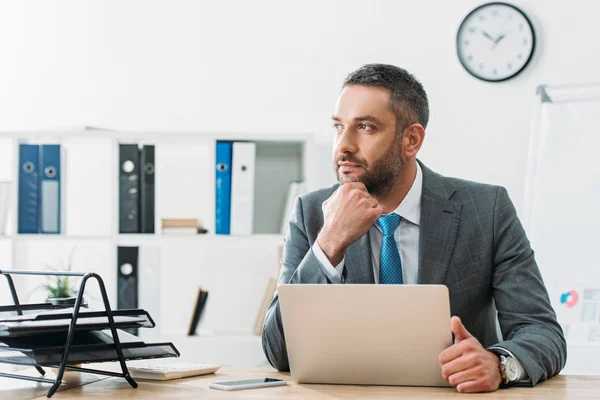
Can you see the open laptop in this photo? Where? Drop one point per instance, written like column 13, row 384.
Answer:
column 366, row 334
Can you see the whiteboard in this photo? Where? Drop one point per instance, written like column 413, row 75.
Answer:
column 562, row 213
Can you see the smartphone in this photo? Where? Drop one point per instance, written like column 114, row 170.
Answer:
column 247, row 384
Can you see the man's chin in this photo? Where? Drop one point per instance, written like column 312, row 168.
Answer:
column 348, row 178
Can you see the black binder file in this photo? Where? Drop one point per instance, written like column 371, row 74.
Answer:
column 147, row 190
column 127, row 281
column 129, row 188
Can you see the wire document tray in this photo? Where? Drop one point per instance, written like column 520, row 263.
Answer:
column 54, row 335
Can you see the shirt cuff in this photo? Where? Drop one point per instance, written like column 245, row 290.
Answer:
column 333, row 273
column 523, row 374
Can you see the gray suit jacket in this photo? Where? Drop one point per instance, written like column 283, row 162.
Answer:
column 472, row 241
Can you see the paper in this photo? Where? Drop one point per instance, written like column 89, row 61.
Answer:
column 577, row 309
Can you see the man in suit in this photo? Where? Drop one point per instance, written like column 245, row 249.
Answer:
column 391, row 220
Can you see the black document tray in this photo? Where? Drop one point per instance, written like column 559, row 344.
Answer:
column 62, row 337
column 87, row 347
column 59, row 321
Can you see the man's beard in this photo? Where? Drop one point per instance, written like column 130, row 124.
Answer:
column 380, row 177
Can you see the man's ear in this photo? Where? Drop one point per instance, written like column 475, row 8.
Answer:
column 412, row 139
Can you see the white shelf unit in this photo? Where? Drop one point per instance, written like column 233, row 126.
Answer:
column 234, row 269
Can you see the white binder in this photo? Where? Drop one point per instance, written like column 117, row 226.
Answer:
column 242, row 187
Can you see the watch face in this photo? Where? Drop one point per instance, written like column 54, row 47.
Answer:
column 495, row 42
column 511, row 369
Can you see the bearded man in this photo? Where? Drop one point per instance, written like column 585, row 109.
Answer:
column 391, row 220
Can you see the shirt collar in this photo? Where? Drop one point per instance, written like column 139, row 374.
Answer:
column 410, row 208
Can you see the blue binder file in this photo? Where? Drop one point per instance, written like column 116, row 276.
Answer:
column 28, row 188
column 223, row 188
column 49, row 188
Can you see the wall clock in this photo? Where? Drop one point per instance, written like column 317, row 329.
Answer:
column 495, row 42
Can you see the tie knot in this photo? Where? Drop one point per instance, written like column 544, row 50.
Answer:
column 389, row 223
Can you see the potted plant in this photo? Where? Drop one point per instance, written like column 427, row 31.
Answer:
column 58, row 288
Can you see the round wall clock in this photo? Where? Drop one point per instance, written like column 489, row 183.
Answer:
column 495, row 42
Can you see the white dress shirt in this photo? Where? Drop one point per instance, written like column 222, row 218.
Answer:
column 407, row 239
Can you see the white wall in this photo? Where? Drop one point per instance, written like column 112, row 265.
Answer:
column 273, row 66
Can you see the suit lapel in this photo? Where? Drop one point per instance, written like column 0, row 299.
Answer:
column 438, row 228
column 358, row 266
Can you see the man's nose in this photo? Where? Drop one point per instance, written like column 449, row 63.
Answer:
column 346, row 142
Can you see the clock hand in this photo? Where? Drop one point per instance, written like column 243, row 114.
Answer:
column 487, row 35
column 498, row 39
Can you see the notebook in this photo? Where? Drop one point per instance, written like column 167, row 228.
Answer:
column 163, row 372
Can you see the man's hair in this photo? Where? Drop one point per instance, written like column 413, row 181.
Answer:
column 407, row 96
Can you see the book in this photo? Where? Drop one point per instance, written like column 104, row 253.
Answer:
column 264, row 306
column 179, row 223
column 163, row 372
column 197, row 315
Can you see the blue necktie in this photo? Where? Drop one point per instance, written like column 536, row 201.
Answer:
column 390, row 266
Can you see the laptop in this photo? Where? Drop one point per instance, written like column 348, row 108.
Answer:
column 366, row 334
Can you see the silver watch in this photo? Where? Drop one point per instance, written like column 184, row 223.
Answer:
column 509, row 369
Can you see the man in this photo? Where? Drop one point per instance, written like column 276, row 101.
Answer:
column 392, row 220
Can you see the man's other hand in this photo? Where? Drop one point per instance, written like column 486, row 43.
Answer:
column 468, row 366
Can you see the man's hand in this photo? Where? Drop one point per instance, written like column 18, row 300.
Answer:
column 467, row 365
column 348, row 214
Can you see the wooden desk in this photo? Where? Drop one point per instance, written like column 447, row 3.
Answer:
column 560, row 387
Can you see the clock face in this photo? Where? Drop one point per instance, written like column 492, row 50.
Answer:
column 495, row 42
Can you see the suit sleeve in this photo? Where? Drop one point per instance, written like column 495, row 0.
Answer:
column 299, row 265
column 527, row 320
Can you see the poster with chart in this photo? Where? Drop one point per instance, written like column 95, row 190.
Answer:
column 577, row 306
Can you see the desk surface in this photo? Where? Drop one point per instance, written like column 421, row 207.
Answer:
column 92, row 386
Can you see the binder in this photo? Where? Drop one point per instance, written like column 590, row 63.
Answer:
column 28, row 188
column 129, row 191
column 147, row 189
column 223, row 188
column 50, row 176
column 127, row 279
column 242, row 187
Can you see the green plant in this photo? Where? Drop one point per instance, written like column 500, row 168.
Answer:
column 59, row 286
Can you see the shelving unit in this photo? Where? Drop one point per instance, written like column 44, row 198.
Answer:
column 234, row 269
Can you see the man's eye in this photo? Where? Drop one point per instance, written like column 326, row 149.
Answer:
column 337, row 127
column 366, row 127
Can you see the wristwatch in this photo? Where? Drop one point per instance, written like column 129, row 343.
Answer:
column 509, row 369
